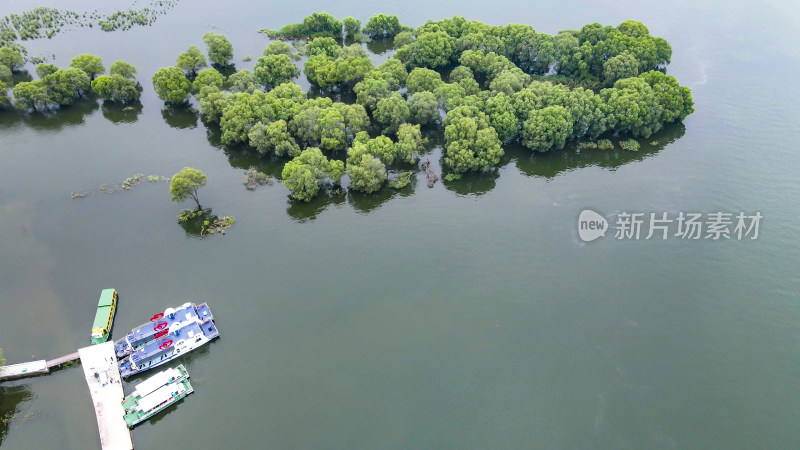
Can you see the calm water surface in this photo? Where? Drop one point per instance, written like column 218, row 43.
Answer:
column 464, row 316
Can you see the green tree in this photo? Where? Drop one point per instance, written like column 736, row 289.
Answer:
column 115, row 88
column 11, row 58
column 208, row 77
column 321, row 71
column 171, row 85
column 351, row 69
column 546, row 128
column 391, row 112
column 432, row 50
column 305, row 173
column 352, row 28
column 273, row 138
column 123, row 69
column 421, row 79
column 243, row 81
column 450, row 95
column 323, row 24
column 273, row 70
column 502, row 117
column 43, row 70
column 184, row 185
column 394, row 72
column 424, row 108
column 403, row 38
column 470, row 141
column 409, row 142
column 382, row 26
column 5, row 74
column 278, row 48
column 324, row 46
column 5, row 101
column 212, row 103
column 371, row 90
column 64, row 87
column 191, row 61
column 92, row 65
column 619, row 67
column 509, row 81
column 30, row 95
column 367, row 173
column 220, row 49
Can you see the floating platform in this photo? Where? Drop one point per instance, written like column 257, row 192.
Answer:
column 105, row 386
column 27, row 369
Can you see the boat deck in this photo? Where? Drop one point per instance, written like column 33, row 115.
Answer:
column 105, row 386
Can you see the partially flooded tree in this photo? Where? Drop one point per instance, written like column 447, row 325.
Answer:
column 191, row 60
column 185, row 184
column 171, row 85
column 90, row 64
column 220, row 49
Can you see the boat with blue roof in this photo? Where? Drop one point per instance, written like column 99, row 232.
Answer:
column 159, row 326
column 180, row 339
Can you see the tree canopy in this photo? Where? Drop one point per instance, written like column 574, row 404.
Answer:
column 171, row 85
column 92, row 65
column 220, row 49
column 184, row 185
column 191, row 60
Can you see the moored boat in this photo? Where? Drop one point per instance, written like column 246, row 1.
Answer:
column 181, row 339
column 104, row 317
column 159, row 326
column 156, row 394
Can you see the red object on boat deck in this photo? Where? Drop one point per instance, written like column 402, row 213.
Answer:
column 156, row 317
column 161, row 333
column 160, row 326
column 165, row 344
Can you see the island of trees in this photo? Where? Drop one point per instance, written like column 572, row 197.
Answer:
column 482, row 86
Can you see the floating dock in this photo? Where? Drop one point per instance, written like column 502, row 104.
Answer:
column 33, row 368
column 27, row 369
column 105, row 385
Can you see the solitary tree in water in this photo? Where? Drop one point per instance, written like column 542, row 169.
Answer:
column 2, row 360
column 185, row 185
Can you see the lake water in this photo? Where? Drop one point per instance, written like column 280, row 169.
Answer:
column 468, row 315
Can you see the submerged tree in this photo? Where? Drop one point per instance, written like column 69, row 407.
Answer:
column 43, row 70
column 184, row 185
column 220, row 49
column 90, row 64
column 11, row 58
column 272, row 70
column 116, row 88
column 382, row 26
column 171, row 85
column 191, row 61
column 123, row 69
column 304, row 174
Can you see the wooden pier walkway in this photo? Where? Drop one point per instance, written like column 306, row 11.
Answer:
column 33, row 368
column 62, row 359
column 105, row 385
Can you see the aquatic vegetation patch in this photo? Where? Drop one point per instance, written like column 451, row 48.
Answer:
column 254, row 179
column 124, row 185
column 630, row 145
column 204, row 221
column 403, row 179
